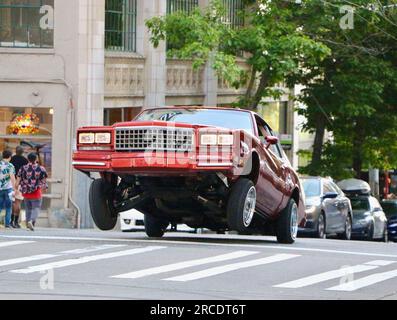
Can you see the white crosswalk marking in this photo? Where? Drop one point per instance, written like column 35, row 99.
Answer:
column 86, row 259
column 365, row 282
column 325, row 276
column 94, row 248
column 380, row 263
column 232, row 267
column 184, row 264
column 9, row 262
column 13, row 243
column 27, row 259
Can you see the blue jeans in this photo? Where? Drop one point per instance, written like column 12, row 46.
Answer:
column 6, row 203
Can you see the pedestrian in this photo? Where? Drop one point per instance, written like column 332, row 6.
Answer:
column 32, row 180
column 18, row 161
column 7, row 184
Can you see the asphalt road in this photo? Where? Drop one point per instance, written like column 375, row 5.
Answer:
column 89, row 264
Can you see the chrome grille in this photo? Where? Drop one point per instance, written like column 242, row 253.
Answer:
column 154, row 138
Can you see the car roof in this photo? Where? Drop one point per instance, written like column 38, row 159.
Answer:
column 201, row 107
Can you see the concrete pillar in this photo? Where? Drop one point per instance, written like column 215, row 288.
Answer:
column 155, row 58
column 374, row 181
column 210, row 81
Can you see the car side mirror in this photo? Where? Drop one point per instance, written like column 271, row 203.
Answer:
column 271, row 140
column 330, row 195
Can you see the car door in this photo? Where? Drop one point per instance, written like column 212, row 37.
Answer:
column 342, row 204
column 330, row 206
column 379, row 217
column 271, row 185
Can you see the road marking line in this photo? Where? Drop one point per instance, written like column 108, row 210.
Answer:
column 9, row 262
column 380, row 263
column 325, row 276
column 260, row 244
column 27, row 259
column 232, row 267
column 365, row 282
column 183, row 265
column 13, row 243
column 94, row 248
column 86, row 259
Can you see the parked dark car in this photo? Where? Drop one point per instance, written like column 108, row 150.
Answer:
column 328, row 210
column 216, row 168
column 390, row 209
column 370, row 222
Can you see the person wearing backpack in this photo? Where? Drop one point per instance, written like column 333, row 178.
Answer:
column 7, row 185
column 32, row 180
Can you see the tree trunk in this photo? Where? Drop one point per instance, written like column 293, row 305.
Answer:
column 251, row 84
column 358, row 140
column 318, row 144
column 263, row 84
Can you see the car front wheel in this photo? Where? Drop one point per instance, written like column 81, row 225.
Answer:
column 102, row 210
column 287, row 224
column 347, row 234
column 320, row 232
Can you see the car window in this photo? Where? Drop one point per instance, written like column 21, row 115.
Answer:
column 327, row 187
column 275, row 147
column 312, row 187
column 336, row 188
column 390, row 208
column 360, row 204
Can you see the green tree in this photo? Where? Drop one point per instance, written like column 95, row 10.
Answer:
column 272, row 40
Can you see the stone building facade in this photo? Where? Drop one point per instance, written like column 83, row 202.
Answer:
column 65, row 64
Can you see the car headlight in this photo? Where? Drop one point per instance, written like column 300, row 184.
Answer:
column 225, row 139
column 209, row 139
column 394, row 225
column 87, row 138
column 103, row 138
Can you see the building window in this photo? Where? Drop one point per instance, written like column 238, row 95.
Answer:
column 181, row 5
column 114, row 115
column 233, row 15
column 120, row 25
column 27, row 23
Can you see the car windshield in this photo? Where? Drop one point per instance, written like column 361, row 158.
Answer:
column 360, row 204
column 390, row 208
column 209, row 117
column 312, row 187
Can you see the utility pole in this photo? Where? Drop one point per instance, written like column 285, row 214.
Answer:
column 374, row 181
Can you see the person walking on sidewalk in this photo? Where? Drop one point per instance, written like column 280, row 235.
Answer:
column 32, row 180
column 18, row 161
column 7, row 184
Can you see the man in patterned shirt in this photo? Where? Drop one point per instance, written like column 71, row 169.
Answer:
column 7, row 184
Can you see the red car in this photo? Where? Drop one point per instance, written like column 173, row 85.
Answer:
column 216, row 168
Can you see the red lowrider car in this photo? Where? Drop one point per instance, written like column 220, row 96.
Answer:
column 216, row 168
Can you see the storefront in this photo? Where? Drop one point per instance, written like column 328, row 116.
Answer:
column 30, row 128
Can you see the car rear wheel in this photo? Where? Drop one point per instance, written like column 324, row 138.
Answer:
column 287, row 224
column 347, row 234
column 385, row 235
column 155, row 227
column 321, row 227
column 241, row 205
column 102, row 210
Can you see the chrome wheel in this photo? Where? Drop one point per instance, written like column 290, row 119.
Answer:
column 249, row 207
column 294, row 221
column 348, row 228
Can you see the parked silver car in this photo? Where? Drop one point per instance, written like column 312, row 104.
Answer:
column 328, row 210
column 370, row 222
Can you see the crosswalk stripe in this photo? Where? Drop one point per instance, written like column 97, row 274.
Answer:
column 13, row 243
column 19, row 260
column 184, row 264
column 85, row 259
column 232, row 267
column 380, row 263
column 94, row 248
column 365, row 282
column 325, row 276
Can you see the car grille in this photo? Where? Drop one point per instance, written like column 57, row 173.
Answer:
column 154, row 139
